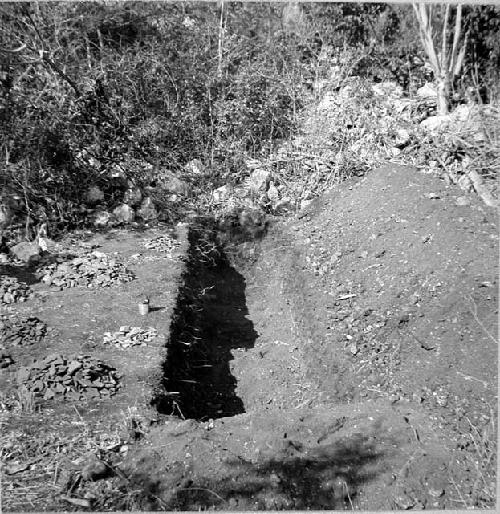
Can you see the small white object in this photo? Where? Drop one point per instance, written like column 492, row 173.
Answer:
column 144, row 307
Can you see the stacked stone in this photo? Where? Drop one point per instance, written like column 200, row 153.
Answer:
column 162, row 244
column 13, row 291
column 93, row 270
column 130, row 336
column 21, row 331
column 70, row 378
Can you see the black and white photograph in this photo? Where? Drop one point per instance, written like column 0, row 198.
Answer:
column 249, row 256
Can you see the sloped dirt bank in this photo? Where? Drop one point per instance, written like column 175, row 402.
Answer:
column 371, row 383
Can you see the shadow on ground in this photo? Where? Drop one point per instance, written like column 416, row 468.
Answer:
column 209, row 321
column 29, row 272
column 327, row 477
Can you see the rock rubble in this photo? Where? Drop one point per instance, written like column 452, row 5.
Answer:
column 127, row 337
column 21, row 331
column 13, row 291
column 93, row 270
column 70, row 378
column 162, row 244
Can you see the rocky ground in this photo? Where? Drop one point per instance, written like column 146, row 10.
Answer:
column 346, row 360
column 79, row 361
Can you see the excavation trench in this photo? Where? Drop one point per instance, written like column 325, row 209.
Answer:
column 209, row 321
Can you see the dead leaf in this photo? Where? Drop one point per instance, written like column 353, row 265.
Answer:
column 16, row 468
column 79, row 502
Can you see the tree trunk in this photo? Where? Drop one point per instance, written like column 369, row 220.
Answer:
column 447, row 63
column 443, row 95
column 220, row 46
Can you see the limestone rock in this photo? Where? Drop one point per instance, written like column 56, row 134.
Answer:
column 436, row 123
column 148, row 211
column 252, row 222
column 259, row 180
column 284, row 205
column 6, row 214
column 465, row 183
column 175, row 185
column 26, row 252
column 304, row 204
column 94, row 195
column 223, row 193
column 272, row 193
column 133, row 196
column 195, row 167
column 101, row 218
column 252, row 164
column 402, row 137
column 94, row 469
column 462, row 201
column 427, row 91
column 124, row 213
column 386, row 89
column 46, row 244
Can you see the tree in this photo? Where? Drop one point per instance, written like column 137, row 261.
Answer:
column 444, row 48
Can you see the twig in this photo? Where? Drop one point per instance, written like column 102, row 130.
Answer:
column 473, row 311
column 470, row 377
column 201, row 489
column 458, row 491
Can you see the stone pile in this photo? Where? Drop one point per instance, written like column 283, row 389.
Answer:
column 69, row 378
column 13, row 291
column 130, row 336
column 162, row 244
column 93, row 270
column 21, row 331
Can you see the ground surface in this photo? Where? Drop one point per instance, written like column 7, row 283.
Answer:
column 348, row 360
column 52, row 438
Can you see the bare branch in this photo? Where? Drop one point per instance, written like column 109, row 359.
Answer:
column 444, row 39
column 461, row 55
column 13, row 51
column 422, row 12
column 457, row 57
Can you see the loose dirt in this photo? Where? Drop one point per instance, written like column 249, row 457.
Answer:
column 348, row 360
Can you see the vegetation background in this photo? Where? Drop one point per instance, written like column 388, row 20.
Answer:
column 110, row 94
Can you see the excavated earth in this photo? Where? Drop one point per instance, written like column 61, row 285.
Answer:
column 346, row 359
column 351, row 361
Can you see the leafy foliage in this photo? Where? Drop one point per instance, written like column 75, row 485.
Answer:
column 102, row 93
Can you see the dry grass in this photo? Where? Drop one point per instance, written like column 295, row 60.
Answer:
column 480, row 464
column 26, row 399
column 39, row 461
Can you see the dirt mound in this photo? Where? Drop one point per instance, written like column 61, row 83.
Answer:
column 412, row 299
